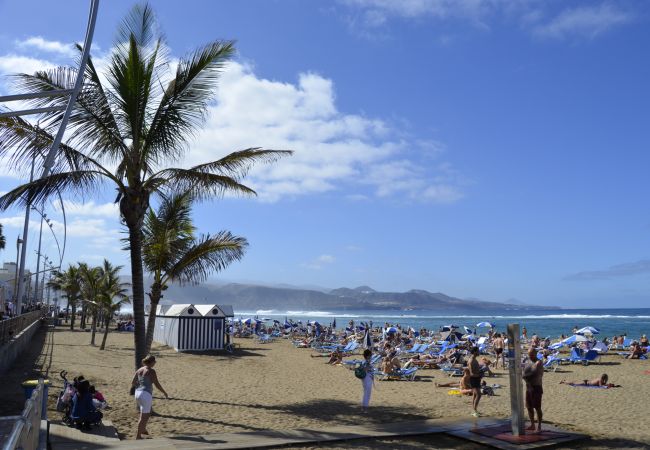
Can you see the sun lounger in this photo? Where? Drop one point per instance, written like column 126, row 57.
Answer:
column 416, row 348
column 585, row 359
column 553, row 361
column 401, row 374
column 354, row 362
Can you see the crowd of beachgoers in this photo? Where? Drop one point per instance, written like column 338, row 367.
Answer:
column 399, row 353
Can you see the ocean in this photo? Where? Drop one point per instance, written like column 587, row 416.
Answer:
column 553, row 323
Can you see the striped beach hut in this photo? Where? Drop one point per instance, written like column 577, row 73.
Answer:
column 192, row 327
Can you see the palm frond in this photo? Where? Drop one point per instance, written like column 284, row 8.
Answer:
column 237, row 164
column 21, row 143
column 80, row 183
column 200, row 185
column 183, row 105
column 91, row 124
column 208, row 255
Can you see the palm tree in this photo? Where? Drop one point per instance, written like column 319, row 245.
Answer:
column 68, row 282
column 113, row 295
column 172, row 253
column 91, row 290
column 128, row 132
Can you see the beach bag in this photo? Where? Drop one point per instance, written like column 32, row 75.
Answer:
column 487, row 390
column 360, row 372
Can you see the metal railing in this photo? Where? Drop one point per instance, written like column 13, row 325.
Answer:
column 11, row 327
column 25, row 433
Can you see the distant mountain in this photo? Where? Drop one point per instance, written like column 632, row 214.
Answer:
column 256, row 297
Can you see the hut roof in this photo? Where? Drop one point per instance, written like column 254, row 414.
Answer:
column 182, row 310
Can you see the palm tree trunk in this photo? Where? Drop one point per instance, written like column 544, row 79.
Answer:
column 84, row 310
column 137, row 286
column 93, row 328
column 107, row 323
column 154, row 299
column 73, row 313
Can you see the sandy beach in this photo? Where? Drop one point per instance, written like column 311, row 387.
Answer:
column 277, row 386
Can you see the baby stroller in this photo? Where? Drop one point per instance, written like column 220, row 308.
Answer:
column 84, row 415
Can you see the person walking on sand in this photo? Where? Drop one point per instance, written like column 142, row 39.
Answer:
column 143, row 381
column 475, row 379
column 533, row 373
column 367, row 381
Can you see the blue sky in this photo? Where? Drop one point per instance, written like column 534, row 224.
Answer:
column 486, row 149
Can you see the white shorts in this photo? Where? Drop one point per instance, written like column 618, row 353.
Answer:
column 144, row 400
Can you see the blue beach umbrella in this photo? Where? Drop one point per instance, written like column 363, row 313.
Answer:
column 575, row 338
column 246, row 321
column 485, row 324
column 588, row 330
column 391, row 330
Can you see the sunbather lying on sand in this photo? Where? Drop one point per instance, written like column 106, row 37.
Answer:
column 463, row 384
column 602, row 382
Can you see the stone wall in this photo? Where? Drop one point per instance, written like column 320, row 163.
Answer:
column 10, row 350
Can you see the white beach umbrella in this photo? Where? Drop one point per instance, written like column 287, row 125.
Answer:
column 485, row 324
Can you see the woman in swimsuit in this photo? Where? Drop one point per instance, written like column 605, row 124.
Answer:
column 143, row 381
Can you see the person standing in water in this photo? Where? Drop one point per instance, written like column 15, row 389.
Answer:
column 143, row 381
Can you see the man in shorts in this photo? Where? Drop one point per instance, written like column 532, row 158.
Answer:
column 475, row 379
column 499, row 345
column 533, row 373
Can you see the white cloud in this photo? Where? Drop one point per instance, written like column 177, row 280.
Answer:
column 109, row 210
column 587, row 21
column 39, row 43
column 377, row 11
column 12, row 63
column 333, row 150
column 319, row 262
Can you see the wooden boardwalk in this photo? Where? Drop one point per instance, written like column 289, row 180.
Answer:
column 64, row 438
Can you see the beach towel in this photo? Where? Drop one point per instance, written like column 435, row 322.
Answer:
column 647, row 372
column 587, row 386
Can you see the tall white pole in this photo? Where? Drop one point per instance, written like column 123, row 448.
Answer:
column 49, row 160
column 23, row 254
column 516, row 389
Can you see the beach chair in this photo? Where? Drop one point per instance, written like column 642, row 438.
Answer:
column 577, row 356
column 401, row 374
column 350, row 349
column 553, row 362
column 350, row 364
column 415, row 348
column 264, row 338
